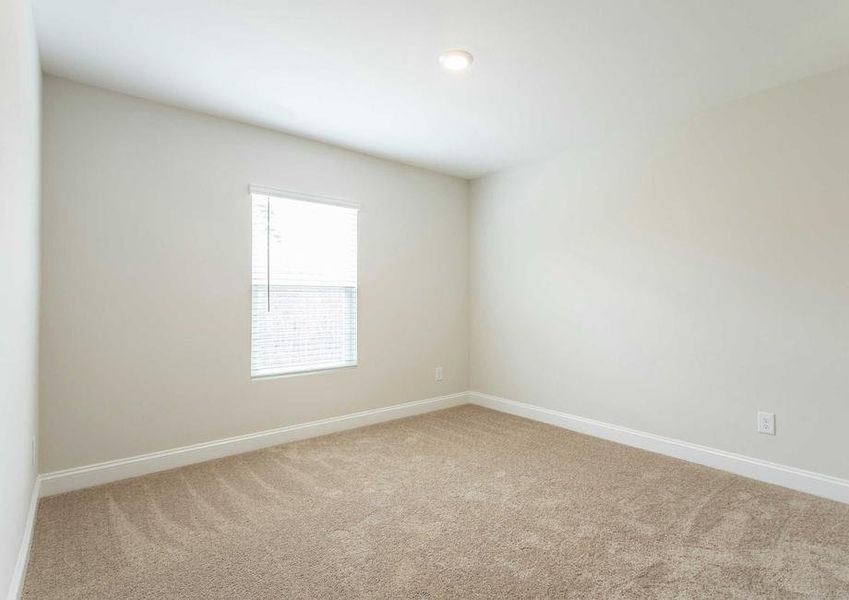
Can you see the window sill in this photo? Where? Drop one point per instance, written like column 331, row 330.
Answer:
column 318, row 371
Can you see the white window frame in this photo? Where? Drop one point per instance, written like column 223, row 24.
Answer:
column 305, row 197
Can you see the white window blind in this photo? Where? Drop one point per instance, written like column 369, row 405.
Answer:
column 304, row 286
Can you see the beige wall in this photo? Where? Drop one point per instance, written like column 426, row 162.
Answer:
column 20, row 77
column 680, row 284
column 674, row 285
column 146, row 263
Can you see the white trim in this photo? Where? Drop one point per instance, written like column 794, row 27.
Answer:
column 287, row 374
column 271, row 373
column 113, row 470
column 810, row 482
column 817, row 484
column 259, row 190
column 16, row 586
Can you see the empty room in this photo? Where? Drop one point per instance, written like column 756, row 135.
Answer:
column 424, row 299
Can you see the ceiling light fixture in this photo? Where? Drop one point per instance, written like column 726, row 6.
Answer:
column 455, row 60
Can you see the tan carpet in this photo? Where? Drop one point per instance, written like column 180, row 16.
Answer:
column 461, row 503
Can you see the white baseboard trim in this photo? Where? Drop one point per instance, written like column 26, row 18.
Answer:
column 810, row 482
column 16, row 586
column 817, row 484
column 77, row 478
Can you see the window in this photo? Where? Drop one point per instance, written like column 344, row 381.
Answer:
column 304, row 284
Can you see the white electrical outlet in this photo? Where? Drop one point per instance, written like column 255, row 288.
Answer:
column 766, row 422
column 438, row 374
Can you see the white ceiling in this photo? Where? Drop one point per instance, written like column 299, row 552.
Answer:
column 549, row 75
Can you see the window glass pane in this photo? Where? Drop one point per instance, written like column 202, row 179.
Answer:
column 304, row 286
